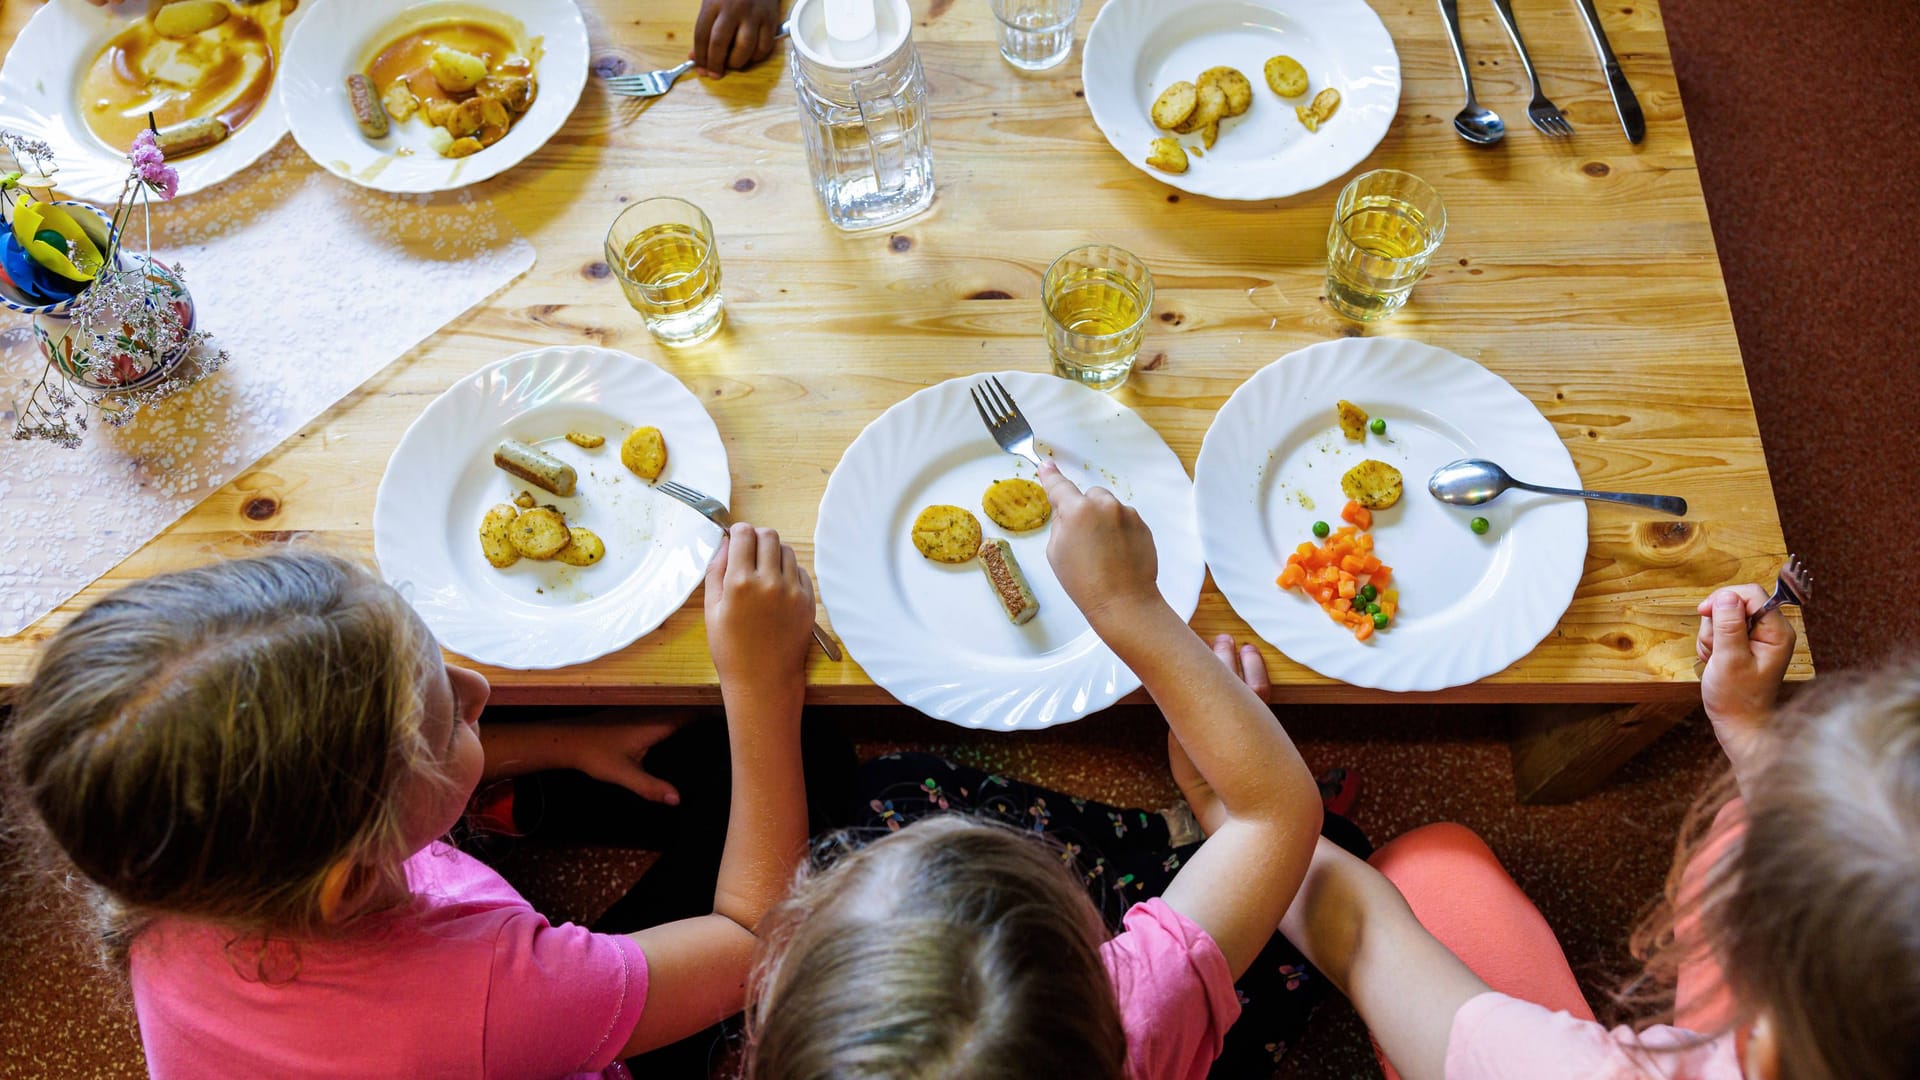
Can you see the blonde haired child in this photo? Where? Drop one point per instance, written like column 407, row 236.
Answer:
column 1788, row 947
column 251, row 764
column 954, row 947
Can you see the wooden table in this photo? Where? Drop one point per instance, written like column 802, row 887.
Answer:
column 1582, row 270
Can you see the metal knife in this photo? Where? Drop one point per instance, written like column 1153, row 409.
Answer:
column 716, row 511
column 1624, row 102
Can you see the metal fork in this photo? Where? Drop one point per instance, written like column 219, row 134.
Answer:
column 650, row 84
column 1795, row 587
column 716, row 511
column 1003, row 419
column 1545, row 114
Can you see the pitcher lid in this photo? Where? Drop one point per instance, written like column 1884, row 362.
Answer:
column 892, row 24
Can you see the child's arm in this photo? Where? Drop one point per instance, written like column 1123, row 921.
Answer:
column 1743, row 674
column 733, row 33
column 1239, row 883
column 1357, row 929
column 759, row 606
column 613, row 753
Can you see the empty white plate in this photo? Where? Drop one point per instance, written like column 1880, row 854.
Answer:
column 1270, row 467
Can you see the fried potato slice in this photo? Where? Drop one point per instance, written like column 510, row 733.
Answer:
column 1017, row 504
column 1286, row 77
column 1211, row 107
column 1234, row 84
column 1167, row 155
column 496, row 540
column 457, row 72
column 1175, row 104
column 645, row 452
column 1373, row 484
column 583, row 439
column 1353, row 420
column 947, row 534
column 584, row 548
column 1325, row 102
column 1209, row 133
column 539, row 533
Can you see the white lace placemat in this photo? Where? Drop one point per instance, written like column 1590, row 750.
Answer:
column 312, row 285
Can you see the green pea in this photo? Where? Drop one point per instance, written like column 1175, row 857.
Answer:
column 1379, row 426
column 1372, row 608
column 1479, row 526
column 1380, row 620
column 1368, row 593
column 1321, row 529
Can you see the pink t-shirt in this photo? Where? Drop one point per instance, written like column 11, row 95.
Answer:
column 1495, row 1037
column 1175, row 991
column 468, row 981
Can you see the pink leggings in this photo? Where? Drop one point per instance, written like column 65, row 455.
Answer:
column 1460, row 893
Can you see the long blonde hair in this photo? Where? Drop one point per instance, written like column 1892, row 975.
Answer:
column 1812, row 913
column 953, row 948
column 208, row 743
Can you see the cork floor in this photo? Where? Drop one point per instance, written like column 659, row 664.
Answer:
column 1804, row 177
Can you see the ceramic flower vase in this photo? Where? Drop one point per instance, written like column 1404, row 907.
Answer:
column 135, row 361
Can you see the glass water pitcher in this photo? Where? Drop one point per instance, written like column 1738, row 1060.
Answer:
column 863, row 109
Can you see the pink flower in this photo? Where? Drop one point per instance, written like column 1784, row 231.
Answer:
column 150, row 165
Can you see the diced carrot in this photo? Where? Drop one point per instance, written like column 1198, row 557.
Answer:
column 1332, row 573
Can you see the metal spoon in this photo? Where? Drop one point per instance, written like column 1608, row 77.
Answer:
column 1472, row 482
column 1475, row 122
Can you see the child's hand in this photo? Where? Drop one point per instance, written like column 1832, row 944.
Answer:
column 759, row 611
column 1251, row 668
column 617, row 753
column 733, row 33
column 1100, row 549
column 1743, row 673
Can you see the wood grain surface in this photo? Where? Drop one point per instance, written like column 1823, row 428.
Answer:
column 1581, row 270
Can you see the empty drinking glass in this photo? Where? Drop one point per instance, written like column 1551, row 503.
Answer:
column 1036, row 34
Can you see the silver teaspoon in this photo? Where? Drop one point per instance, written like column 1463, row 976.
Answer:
column 1472, row 482
column 1475, row 122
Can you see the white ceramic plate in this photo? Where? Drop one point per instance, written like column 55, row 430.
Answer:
column 1469, row 605
column 934, row 635
column 441, row 480
column 339, row 36
column 1137, row 48
column 39, row 98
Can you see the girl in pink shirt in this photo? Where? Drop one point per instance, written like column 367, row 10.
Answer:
column 955, row 947
column 1788, row 947
column 251, row 765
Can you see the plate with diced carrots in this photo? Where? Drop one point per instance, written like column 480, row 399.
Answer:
column 1378, row 583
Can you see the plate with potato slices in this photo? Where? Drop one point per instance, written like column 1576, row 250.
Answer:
column 75, row 79
column 517, row 517
column 1322, row 458
column 434, row 96
column 1241, row 99
column 931, row 550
